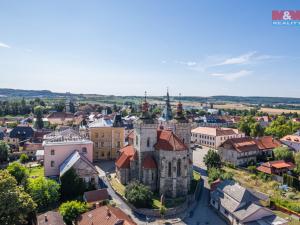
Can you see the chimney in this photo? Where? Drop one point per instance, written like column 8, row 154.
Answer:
column 46, row 219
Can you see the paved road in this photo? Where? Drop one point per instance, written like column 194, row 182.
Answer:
column 203, row 214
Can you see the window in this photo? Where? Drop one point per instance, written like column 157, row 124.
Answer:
column 102, row 144
column 102, row 154
column 84, row 150
column 52, row 152
column 183, row 140
column 96, row 135
column 148, row 142
column 118, row 144
column 169, row 169
column 152, row 176
column 96, row 144
column 136, row 140
column 178, row 168
column 52, row 163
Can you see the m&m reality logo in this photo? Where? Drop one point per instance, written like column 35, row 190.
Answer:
column 286, row 17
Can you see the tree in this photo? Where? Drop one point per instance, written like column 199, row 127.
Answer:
column 19, row 172
column 138, row 194
column 72, row 185
column 256, row 130
column 15, row 203
column 71, row 210
column 45, row 192
column 281, row 126
column 24, row 158
column 216, row 173
column 72, row 107
column 297, row 162
column 212, row 159
column 4, row 148
column 38, row 111
column 283, row 153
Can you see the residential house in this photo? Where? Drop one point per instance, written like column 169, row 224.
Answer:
column 292, row 141
column 108, row 137
column 213, row 137
column 266, row 145
column 105, row 215
column 30, row 148
column 278, row 167
column 96, row 196
column 264, row 121
column 239, row 151
column 59, row 145
column 60, row 118
column 19, row 135
column 50, row 218
column 82, row 166
column 240, row 206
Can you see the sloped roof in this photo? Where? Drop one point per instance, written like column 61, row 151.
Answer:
column 243, row 144
column 105, row 215
column 279, row 164
column 267, row 142
column 215, row 131
column 149, row 163
column 22, row 132
column 102, row 122
column 60, row 115
column 71, row 160
column 291, row 138
column 53, row 218
column 168, row 141
column 127, row 154
column 96, row 195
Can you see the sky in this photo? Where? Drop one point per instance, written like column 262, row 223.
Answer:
column 193, row 47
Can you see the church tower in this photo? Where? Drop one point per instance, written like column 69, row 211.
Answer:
column 145, row 130
column 167, row 112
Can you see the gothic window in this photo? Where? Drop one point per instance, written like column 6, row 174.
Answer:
column 148, row 142
column 183, row 140
column 152, row 175
column 178, row 168
column 169, row 169
column 136, row 140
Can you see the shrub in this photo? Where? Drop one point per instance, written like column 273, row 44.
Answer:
column 24, row 158
column 71, row 210
column 19, row 171
column 252, row 169
column 139, row 195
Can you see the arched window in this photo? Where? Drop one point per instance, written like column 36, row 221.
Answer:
column 178, row 168
column 148, row 142
column 136, row 140
column 169, row 169
column 183, row 140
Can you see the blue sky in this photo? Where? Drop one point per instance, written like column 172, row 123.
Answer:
column 200, row 47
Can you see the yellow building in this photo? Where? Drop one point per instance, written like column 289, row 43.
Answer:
column 108, row 137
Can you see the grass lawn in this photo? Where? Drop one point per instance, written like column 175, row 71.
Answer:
column 291, row 220
column 119, row 188
column 35, row 172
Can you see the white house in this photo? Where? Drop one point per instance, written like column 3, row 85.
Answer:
column 214, row 137
column 292, row 141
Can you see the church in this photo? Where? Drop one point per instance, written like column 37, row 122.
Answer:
column 160, row 155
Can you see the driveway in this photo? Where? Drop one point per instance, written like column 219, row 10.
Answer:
column 203, row 214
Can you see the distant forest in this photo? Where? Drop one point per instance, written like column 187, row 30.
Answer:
column 280, row 102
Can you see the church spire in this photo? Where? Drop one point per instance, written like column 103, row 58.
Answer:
column 167, row 112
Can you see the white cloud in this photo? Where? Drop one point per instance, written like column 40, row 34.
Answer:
column 188, row 63
column 232, row 76
column 242, row 59
column 3, row 45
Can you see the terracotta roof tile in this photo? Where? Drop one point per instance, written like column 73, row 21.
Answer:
column 243, row 144
column 96, row 195
column 105, row 215
column 127, row 153
column 167, row 140
column 149, row 163
column 267, row 142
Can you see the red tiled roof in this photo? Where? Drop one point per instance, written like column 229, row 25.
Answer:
column 167, row 140
column 149, row 163
column 96, row 195
column 127, row 153
column 105, row 215
column 130, row 135
column 267, row 142
column 242, row 144
column 264, row 169
column 291, row 138
column 279, row 164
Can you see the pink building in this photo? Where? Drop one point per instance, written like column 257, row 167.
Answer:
column 59, row 145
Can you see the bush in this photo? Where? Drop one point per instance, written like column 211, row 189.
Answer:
column 71, row 210
column 212, row 159
column 252, row 169
column 24, row 158
column 139, row 195
column 19, row 171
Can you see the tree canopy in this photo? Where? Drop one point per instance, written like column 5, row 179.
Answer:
column 71, row 210
column 38, row 111
column 212, row 159
column 19, row 172
column 139, row 195
column 283, row 153
column 72, row 185
column 4, row 149
column 282, row 126
column 250, row 126
column 45, row 192
column 15, row 203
